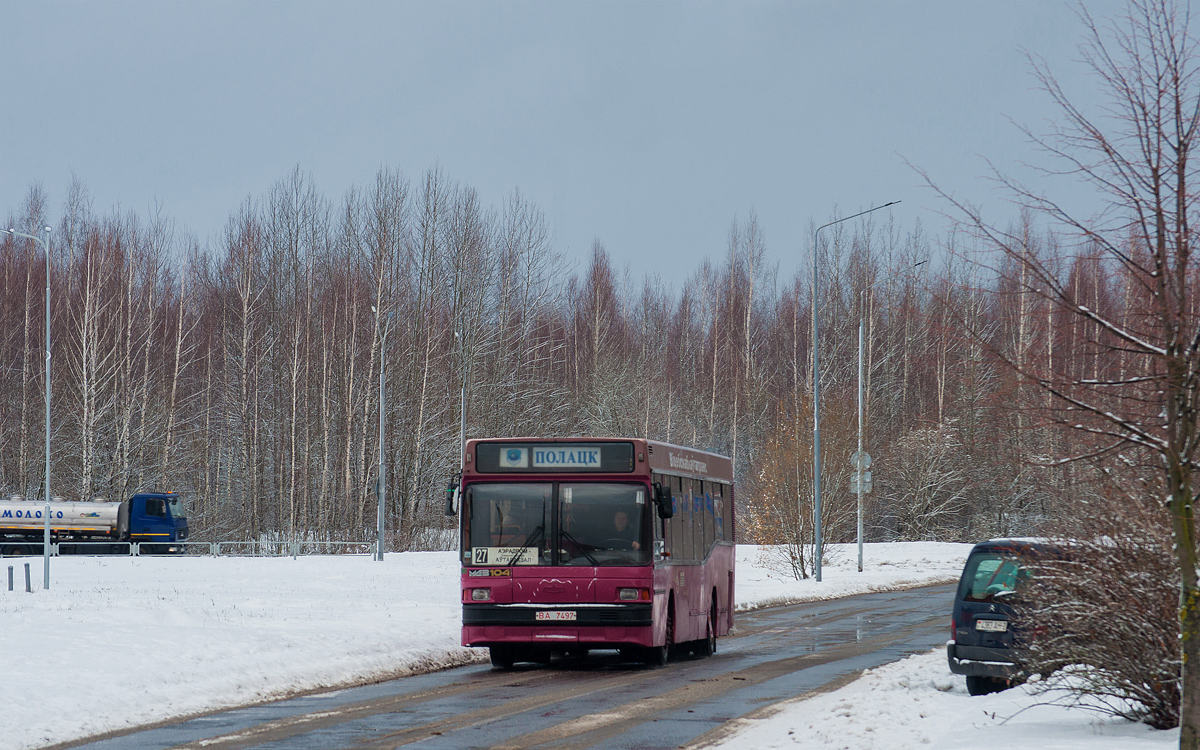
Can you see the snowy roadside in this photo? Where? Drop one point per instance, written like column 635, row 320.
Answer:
column 761, row 581
column 916, row 703
column 120, row 642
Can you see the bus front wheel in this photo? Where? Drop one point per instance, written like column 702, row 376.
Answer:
column 502, row 657
column 658, row 656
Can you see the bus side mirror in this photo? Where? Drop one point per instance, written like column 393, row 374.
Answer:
column 662, row 498
column 452, row 499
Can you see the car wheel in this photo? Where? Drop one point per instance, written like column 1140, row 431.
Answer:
column 979, row 685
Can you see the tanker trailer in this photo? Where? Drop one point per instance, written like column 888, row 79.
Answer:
column 154, row 519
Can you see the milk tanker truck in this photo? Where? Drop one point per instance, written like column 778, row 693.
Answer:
column 156, row 520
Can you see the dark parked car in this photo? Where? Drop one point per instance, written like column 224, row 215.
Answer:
column 981, row 645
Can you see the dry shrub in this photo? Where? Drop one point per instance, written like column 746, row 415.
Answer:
column 1102, row 615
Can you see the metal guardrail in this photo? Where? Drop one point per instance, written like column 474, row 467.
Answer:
column 94, row 548
column 361, row 548
column 213, row 549
column 290, row 549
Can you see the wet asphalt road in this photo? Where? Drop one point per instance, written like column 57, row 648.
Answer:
column 598, row 702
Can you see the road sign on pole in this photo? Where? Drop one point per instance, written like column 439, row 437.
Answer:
column 861, row 474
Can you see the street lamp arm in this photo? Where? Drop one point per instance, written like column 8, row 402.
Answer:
column 38, row 240
column 854, row 216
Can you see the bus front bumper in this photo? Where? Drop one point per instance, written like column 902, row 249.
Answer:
column 591, row 625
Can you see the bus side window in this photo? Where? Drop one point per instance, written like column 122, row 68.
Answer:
column 718, row 512
column 710, row 531
column 689, row 522
column 707, row 514
column 697, row 520
column 727, row 509
column 675, row 525
column 670, row 534
column 669, row 526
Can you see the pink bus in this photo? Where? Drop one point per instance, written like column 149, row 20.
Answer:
column 570, row 544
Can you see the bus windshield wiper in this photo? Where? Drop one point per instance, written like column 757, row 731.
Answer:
column 580, row 545
column 536, row 532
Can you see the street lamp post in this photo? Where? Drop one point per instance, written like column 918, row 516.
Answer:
column 46, row 512
column 816, row 375
column 462, row 406
column 381, row 491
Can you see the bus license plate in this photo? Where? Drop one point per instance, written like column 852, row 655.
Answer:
column 557, row 616
column 992, row 626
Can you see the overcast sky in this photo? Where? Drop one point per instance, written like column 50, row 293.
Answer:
column 649, row 126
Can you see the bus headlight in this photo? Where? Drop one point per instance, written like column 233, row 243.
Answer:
column 481, row 595
column 633, row 595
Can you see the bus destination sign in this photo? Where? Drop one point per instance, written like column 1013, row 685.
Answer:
column 568, row 458
column 560, row 457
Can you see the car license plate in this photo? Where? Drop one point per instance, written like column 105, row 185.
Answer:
column 992, row 626
column 557, row 616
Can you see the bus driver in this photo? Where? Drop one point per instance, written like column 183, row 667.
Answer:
column 622, row 530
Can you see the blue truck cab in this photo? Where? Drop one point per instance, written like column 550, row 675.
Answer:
column 156, row 520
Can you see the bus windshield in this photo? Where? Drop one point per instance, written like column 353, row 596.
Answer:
column 578, row 523
column 509, row 523
column 602, row 524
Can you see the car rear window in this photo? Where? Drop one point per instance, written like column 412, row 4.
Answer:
column 989, row 574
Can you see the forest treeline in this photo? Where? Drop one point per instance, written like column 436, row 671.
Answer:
column 245, row 373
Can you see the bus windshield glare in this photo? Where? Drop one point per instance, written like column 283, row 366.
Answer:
column 578, row 523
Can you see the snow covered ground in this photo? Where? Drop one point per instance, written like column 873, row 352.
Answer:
column 763, row 580
column 916, row 703
column 119, row 642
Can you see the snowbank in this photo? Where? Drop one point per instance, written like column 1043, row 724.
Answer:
column 118, row 642
column 917, row 704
